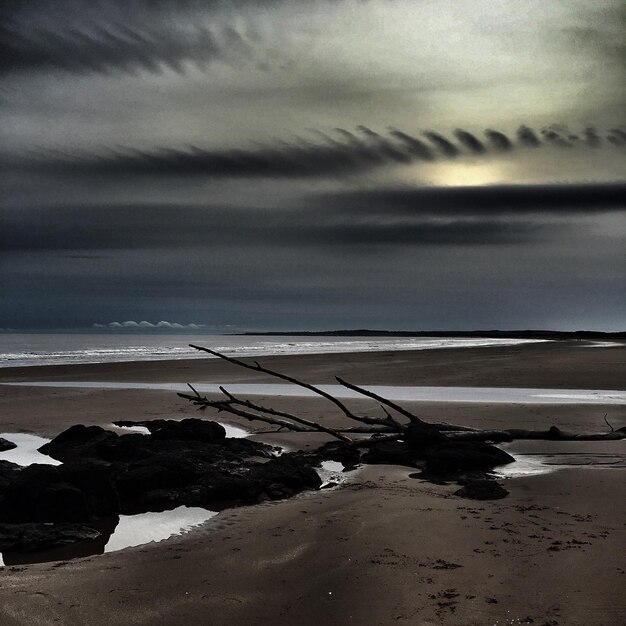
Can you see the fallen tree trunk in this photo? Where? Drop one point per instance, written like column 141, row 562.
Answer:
column 405, row 426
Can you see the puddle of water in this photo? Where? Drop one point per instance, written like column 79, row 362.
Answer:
column 129, row 531
column 142, row 430
column 136, row 530
column 491, row 395
column 26, row 452
column 234, row 432
column 537, row 464
column 525, row 465
column 331, row 472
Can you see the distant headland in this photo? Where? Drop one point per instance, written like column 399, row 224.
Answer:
column 491, row 334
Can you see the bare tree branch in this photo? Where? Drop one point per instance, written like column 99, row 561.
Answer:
column 379, row 429
column 259, row 368
column 295, row 418
column 222, row 405
column 370, row 394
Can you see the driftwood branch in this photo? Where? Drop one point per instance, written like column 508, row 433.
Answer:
column 220, row 405
column 378, row 429
column 300, row 420
column 370, row 394
column 259, row 368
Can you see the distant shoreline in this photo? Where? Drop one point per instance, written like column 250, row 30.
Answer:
column 483, row 334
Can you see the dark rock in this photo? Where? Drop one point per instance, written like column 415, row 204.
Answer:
column 161, row 473
column 169, row 437
column 421, row 437
column 349, row 456
column 34, row 537
column 291, row 471
column 282, row 477
column 6, row 445
column 461, row 456
column 76, row 442
column 219, row 488
column 482, row 490
column 191, row 429
column 8, row 473
column 77, row 492
column 232, row 449
column 122, row 449
column 135, row 447
column 391, row 453
column 63, row 501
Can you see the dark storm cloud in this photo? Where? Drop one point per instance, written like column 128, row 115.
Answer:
column 444, row 145
column 553, row 136
column 334, row 156
column 117, row 48
column 386, row 147
column 117, row 37
column 471, row 142
column 527, row 137
column 500, row 200
column 498, row 140
column 414, row 146
column 592, row 138
column 397, row 217
column 179, row 227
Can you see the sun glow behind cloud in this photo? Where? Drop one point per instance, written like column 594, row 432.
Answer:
column 466, row 174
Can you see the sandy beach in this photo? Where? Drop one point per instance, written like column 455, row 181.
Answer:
column 383, row 548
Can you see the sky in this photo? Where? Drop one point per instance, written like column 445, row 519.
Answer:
column 308, row 165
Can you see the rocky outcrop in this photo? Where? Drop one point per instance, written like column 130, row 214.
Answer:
column 190, row 462
column 166, row 437
column 76, row 442
column 191, row 429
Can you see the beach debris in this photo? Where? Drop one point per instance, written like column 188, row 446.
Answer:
column 402, row 424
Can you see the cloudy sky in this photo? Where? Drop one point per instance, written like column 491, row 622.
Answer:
column 418, row 164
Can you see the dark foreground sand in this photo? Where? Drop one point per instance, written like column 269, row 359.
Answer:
column 383, row 549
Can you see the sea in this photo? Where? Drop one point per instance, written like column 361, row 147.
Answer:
column 22, row 350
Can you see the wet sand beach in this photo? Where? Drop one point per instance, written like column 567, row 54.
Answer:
column 383, row 548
